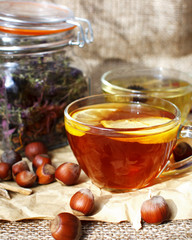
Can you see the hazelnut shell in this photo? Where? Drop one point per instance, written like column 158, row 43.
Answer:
column 25, row 179
column 45, row 174
column 19, row 167
column 155, row 210
column 34, row 148
column 82, row 202
column 40, row 159
column 5, row 171
column 65, row 226
column 68, row 173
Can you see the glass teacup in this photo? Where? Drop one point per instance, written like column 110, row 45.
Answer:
column 122, row 142
column 170, row 84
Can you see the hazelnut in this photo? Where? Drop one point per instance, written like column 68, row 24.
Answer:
column 5, row 171
column 82, row 202
column 65, row 226
column 155, row 210
column 19, row 167
column 25, row 179
column 181, row 151
column 34, row 148
column 68, row 173
column 39, row 160
column 10, row 157
column 45, row 173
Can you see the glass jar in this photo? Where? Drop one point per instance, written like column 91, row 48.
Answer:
column 39, row 73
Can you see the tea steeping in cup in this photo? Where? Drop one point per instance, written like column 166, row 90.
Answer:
column 169, row 84
column 122, row 142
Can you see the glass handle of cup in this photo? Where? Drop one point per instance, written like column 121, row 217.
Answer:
column 177, row 165
column 183, row 165
column 186, row 131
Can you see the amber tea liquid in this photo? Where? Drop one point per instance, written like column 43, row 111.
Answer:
column 119, row 146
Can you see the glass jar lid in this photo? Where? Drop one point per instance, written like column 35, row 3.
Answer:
column 29, row 18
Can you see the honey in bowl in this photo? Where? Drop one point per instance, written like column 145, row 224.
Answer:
column 121, row 145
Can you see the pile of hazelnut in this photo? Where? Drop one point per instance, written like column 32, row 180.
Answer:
column 67, row 225
column 12, row 167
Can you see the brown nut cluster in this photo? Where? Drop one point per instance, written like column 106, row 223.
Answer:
column 37, row 153
column 43, row 172
column 12, row 166
column 65, row 225
column 34, row 151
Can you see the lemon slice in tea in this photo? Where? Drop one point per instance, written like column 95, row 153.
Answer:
column 141, row 129
column 135, row 122
column 91, row 116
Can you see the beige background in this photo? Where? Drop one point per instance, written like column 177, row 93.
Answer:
column 149, row 32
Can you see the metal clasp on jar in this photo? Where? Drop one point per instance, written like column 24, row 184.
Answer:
column 83, row 36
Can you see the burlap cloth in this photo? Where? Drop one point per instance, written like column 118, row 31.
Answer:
column 39, row 230
column 154, row 33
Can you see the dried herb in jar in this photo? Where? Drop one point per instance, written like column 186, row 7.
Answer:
column 37, row 90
